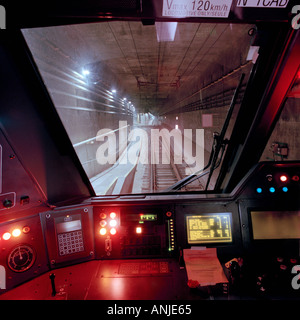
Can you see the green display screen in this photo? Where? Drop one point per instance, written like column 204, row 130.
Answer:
column 209, row 228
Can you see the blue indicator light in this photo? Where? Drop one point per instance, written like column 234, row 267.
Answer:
column 272, row 189
column 285, row 189
column 259, row 190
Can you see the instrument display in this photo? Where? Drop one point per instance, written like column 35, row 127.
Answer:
column 21, row 258
column 209, row 228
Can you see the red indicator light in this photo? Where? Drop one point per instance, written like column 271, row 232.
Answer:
column 103, row 223
column 6, row 236
column 102, row 231
column 102, row 215
column 295, row 178
column 113, row 215
column 283, row 178
column 113, row 231
column 16, row 233
column 138, row 230
column 26, row 229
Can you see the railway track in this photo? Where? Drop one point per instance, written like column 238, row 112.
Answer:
column 159, row 176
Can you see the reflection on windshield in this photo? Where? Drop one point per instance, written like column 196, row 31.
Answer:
column 141, row 103
column 283, row 143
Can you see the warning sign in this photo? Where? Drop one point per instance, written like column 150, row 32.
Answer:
column 263, row 3
column 197, row 9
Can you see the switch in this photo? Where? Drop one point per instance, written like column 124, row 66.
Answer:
column 24, row 200
column 7, row 203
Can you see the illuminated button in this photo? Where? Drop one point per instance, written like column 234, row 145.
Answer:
column 113, row 223
column 102, row 231
column 16, row 232
column 26, row 229
column 113, row 231
column 103, row 223
column 259, row 190
column 138, row 230
column 272, row 189
column 285, row 189
column 102, row 215
column 6, row 236
column 113, row 215
column 283, row 178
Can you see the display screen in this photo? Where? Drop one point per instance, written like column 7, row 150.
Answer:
column 68, row 226
column 209, row 228
column 148, row 217
column 268, row 225
column 139, row 217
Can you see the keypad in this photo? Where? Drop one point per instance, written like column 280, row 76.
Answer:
column 70, row 242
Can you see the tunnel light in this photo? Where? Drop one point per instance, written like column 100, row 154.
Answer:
column 165, row 31
column 113, row 90
column 16, row 233
column 6, row 236
column 85, row 72
column 176, row 126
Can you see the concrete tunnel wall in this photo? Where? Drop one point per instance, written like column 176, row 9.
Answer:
column 84, row 105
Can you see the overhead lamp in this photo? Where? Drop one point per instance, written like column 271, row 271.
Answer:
column 85, row 72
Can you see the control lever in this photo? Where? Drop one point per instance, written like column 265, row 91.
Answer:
column 52, row 277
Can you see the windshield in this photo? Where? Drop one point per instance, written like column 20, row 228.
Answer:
column 141, row 103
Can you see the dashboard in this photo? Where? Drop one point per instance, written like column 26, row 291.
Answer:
column 259, row 221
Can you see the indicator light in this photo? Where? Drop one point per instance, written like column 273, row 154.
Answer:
column 113, row 215
column 138, row 230
column 26, row 229
column 269, row 177
column 103, row 223
column 272, row 189
column 259, row 190
column 6, row 236
column 295, row 178
column 102, row 215
column 285, row 189
column 102, row 231
column 283, row 178
column 113, row 231
column 16, row 233
column 113, row 223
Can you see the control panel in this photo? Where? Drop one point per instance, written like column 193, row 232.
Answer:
column 134, row 231
column 68, row 235
column 23, row 255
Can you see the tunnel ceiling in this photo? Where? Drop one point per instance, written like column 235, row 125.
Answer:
column 153, row 68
